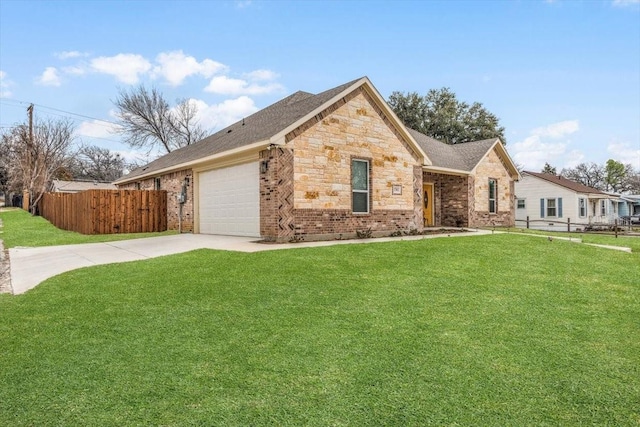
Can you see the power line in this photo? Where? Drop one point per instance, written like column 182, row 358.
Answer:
column 18, row 102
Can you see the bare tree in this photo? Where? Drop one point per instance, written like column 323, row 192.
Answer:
column 96, row 163
column 32, row 160
column 147, row 121
column 589, row 174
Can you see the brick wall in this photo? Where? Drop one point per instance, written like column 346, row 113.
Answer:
column 451, row 193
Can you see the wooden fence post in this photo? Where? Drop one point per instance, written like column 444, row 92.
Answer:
column 527, row 222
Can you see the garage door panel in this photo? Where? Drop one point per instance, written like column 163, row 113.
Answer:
column 229, row 201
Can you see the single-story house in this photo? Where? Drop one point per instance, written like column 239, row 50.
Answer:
column 61, row 186
column 328, row 166
column 550, row 201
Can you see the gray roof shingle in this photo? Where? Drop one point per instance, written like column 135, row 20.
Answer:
column 257, row 127
column 462, row 157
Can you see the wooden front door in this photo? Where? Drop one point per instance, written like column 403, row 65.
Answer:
column 428, row 205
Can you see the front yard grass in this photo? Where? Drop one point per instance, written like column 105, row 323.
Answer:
column 488, row 330
column 20, row 228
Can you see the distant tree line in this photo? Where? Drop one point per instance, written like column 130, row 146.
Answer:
column 612, row 176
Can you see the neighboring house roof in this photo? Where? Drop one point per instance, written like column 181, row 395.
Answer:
column 271, row 124
column 267, row 126
column 566, row 183
column 60, row 186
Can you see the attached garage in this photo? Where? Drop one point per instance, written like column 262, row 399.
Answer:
column 229, row 200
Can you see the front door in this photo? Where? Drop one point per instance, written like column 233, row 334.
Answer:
column 428, row 205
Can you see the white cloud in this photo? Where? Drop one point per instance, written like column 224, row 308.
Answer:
column 126, row 67
column 262, row 75
column 96, row 129
column 547, row 144
column 241, row 4
column 5, row 85
column 76, row 70
column 69, row 54
column 49, row 77
column 224, row 85
column 624, row 3
column 625, row 152
column 557, row 130
column 175, row 66
column 220, row 115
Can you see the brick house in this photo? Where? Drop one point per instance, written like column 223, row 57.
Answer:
column 326, row 166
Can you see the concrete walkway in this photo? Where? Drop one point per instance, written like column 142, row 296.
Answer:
column 31, row 266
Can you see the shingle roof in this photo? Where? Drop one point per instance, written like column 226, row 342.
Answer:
column 462, row 157
column 257, row 127
column 564, row 182
column 275, row 118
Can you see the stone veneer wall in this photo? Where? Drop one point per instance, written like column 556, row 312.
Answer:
column 451, row 193
column 172, row 183
column 492, row 166
column 308, row 196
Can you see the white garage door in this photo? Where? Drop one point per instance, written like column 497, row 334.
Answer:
column 229, row 201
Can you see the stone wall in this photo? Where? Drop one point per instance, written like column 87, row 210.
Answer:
column 354, row 128
column 493, row 167
column 172, row 183
column 308, row 197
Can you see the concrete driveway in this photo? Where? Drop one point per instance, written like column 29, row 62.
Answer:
column 31, row 266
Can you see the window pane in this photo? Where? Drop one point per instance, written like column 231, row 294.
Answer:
column 359, row 175
column 492, row 189
column 360, row 202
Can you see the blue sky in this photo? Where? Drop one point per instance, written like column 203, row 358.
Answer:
column 562, row 76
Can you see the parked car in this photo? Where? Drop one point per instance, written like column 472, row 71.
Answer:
column 633, row 219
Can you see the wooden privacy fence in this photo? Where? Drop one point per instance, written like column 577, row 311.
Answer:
column 107, row 211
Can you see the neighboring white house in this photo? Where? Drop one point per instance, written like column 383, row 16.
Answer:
column 550, row 202
column 60, row 186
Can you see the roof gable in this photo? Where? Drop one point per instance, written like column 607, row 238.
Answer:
column 462, row 158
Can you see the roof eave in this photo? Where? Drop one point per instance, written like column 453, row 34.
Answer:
column 256, row 146
column 445, row 171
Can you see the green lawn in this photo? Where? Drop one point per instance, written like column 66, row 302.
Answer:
column 488, row 330
column 22, row 229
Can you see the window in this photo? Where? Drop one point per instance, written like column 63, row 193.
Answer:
column 360, row 186
column 603, row 207
column 521, row 204
column 156, row 183
column 493, row 190
column 551, row 207
column 138, row 185
column 582, row 207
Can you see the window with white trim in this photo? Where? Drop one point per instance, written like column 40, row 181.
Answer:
column 582, row 207
column 603, row 207
column 493, row 195
column 522, row 204
column 551, row 207
column 360, row 186
column 156, row 183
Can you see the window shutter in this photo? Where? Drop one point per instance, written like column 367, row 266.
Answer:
column 541, row 208
column 559, row 207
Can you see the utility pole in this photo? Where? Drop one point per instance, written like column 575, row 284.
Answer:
column 25, row 191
